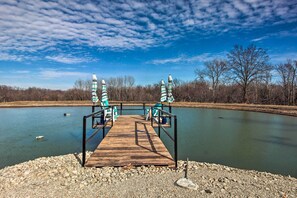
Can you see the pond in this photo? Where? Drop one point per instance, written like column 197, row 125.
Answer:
column 247, row 140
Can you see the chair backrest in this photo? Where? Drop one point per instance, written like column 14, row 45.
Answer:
column 156, row 108
column 104, row 104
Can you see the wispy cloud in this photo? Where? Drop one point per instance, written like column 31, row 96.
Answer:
column 55, row 73
column 164, row 61
column 259, row 38
column 198, row 58
column 39, row 25
column 22, row 72
column 69, row 59
column 279, row 34
column 283, row 57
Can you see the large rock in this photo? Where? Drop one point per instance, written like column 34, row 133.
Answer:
column 186, row 183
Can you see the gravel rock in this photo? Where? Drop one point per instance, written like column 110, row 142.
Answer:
column 63, row 176
column 186, row 183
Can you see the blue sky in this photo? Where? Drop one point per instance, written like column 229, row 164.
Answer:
column 51, row 44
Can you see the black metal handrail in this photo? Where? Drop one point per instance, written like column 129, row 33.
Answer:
column 120, row 105
column 161, row 113
column 84, row 138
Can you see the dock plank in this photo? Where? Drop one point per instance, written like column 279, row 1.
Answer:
column 123, row 145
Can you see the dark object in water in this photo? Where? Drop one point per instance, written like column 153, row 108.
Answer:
column 221, row 117
column 67, row 114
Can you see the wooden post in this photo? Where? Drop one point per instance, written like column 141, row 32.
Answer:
column 187, row 167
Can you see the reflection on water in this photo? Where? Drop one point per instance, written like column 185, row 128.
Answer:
column 241, row 139
column 259, row 141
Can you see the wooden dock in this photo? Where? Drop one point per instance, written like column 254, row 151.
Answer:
column 126, row 146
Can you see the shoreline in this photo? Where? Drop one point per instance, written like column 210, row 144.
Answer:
column 272, row 109
column 63, row 176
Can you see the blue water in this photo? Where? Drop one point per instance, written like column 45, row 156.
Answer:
column 248, row 140
column 19, row 127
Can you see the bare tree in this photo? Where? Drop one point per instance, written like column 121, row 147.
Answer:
column 79, row 84
column 214, row 72
column 130, row 80
column 287, row 72
column 246, row 65
column 177, row 82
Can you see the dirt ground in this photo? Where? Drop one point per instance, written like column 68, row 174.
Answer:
column 63, row 176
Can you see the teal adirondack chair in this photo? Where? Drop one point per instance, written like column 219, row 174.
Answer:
column 105, row 104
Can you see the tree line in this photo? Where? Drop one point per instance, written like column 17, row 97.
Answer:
column 244, row 76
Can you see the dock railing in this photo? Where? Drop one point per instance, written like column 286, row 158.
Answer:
column 98, row 114
column 164, row 115
column 123, row 107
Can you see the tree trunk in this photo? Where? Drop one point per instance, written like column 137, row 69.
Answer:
column 244, row 90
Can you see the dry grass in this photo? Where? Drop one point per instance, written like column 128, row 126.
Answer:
column 44, row 104
column 275, row 109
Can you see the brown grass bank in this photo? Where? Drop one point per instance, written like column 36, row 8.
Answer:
column 274, row 109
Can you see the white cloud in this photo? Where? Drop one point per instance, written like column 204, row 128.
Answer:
column 10, row 57
column 280, row 34
column 22, row 72
column 198, row 58
column 69, row 59
column 259, row 39
column 39, row 25
column 242, row 6
column 165, row 61
column 55, row 73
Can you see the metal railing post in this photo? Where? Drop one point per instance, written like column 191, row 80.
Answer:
column 121, row 108
column 93, row 119
column 152, row 121
column 170, row 111
column 159, row 113
column 143, row 106
column 175, row 141
column 84, row 142
column 112, row 116
column 103, row 129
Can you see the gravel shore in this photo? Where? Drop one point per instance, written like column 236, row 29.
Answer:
column 62, row 176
